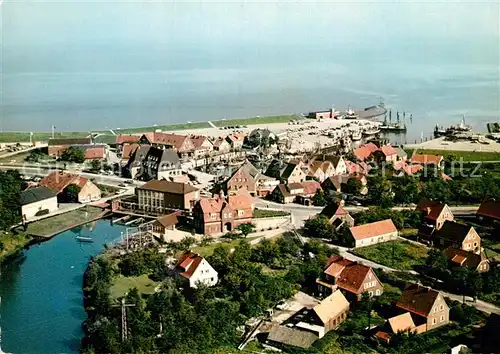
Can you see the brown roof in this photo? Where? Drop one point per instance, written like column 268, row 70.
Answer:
column 174, row 140
column 352, row 276
column 165, row 186
column 71, row 141
column 168, row 220
column 310, row 187
column 401, row 323
column 373, row 229
column 198, row 140
column 331, row 307
column 388, row 150
column 431, row 208
column 291, row 336
column 219, row 141
column 211, row 205
column 464, row 258
column 187, row 264
column 122, row 139
column 453, row 231
column 336, row 265
column 56, row 181
column 240, row 202
column 128, row 150
column 333, row 209
column 418, row 299
column 424, row 159
column 295, row 186
column 490, row 209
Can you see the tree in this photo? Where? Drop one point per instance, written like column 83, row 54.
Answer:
column 73, row 154
column 319, row 198
column 353, row 186
column 379, row 191
column 95, row 165
column 406, row 189
column 70, row 194
column 245, row 228
column 318, row 227
column 35, row 156
column 436, row 259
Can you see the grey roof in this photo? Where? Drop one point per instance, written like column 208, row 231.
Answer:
column 139, row 155
column 33, row 195
column 401, row 152
column 292, row 336
column 250, row 169
column 287, row 170
column 262, row 133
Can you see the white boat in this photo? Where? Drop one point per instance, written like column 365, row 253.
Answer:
column 350, row 114
column 84, row 239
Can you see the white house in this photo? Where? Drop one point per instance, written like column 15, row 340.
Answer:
column 40, row 200
column 375, row 232
column 196, row 270
column 339, row 166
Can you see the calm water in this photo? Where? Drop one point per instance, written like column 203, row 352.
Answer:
column 82, row 65
column 42, row 305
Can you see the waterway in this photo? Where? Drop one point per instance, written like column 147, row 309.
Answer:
column 42, row 305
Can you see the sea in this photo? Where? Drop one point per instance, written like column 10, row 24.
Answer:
column 91, row 65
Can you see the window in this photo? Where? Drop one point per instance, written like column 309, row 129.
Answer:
column 434, row 309
column 433, row 321
column 377, row 292
column 441, row 308
column 468, row 246
column 370, row 293
column 475, row 244
column 225, row 215
column 441, row 319
column 230, row 215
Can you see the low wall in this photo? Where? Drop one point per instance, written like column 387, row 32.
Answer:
column 272, row 222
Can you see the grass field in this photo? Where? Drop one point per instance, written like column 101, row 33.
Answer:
column 208, row 250
column 122, row 285
column 10, row 244
column 108, row 138
column 465, row 155
column 264, row 213
column 406, row 254
column 55, row 224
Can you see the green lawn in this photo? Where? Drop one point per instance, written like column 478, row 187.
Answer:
column 14, row 137
column 465, row 155
column 395, row 254
column 122, row 285
column 10, row 244
column 207, row 250
column 257, row 120
column 264, row 213
column 49, row 226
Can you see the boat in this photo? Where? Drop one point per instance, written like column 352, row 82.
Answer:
column 453, row 130
column 84, row 239
column 372, row 112
column 350, row 114
column 371, row 131
column 393, row 127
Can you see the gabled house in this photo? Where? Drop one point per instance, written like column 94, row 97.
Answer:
column 222, row 214
column 165, row 223
column 337, row 215
column 434, row 213
column 386, row 153
column 365, row 151
column 148, row 162
column 398, row 324
column 427, row 307
column 285, row 194
column 195, row 270
column 455, row 235
column 128, row 150
column 286, row 172
column 351, row 277
column 222, row 145
column 181, row 144
column 258, row 135
column 202, row 145
column 122, row 140
column 489, row 211
column 248, row 178
column 458, row 257
column 327, row 315
column 58, row 182
column 159, row 196
column 310, row 188
column 315, row 170
column 57, row 146
column 427, row 160
column 372, row 233
column 92, row 151
column 236, row 141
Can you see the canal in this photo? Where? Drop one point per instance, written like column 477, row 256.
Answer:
column 42, row 306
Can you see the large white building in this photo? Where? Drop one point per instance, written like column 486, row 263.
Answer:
column 375, row 232
column 195, row 270
column 39, row 201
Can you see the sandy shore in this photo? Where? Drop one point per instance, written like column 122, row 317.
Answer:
column 441, row 144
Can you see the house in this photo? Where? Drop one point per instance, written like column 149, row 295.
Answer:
column 222, row 145
column 434, row 213
column 331, row 113
column 337, row 215
column 455, row 235
column 375, row 232
column 285, row 336
column 248, row 178
column 427, row 160
column 364, row 152
column 398, row 324
column 195, row 270
column 37, row 201
column 489, row 211
column 57, row 146
column 202, row 145
column 471, row 260
column 92, row 151
column 236, row 141
column 310, row 188
column 333, row 184
column 339, row 166
column 351, row 277
column 406, row 169
column 285, row 194
column 128, row 150
column 316, row 171
column 386, row 153
column 286, row 172
column 258, row 135
column 427, row 307
column 159, row 196
column 402, row 155
column 327, row 315
column 122, row 140
column 181, row 144
column 165, row 223
column 148, row 163
column 58, row 182
column 222, row 214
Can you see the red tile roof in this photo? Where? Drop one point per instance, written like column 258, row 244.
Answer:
column 128, row 150
column 388, row 150
column 122, row 139
column 426, row 159
column 187, row 264
column 198, row 140
column 418, row 299
column 56, row 181
column 174, row 140
column 373, row 229
column 489, row 209
column 349, row 275
column 310, row 187
column 165, row 186
column 362, row 153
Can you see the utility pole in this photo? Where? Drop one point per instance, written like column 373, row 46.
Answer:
column 124, row 306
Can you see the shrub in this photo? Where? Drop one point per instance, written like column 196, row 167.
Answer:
column 42, row 212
